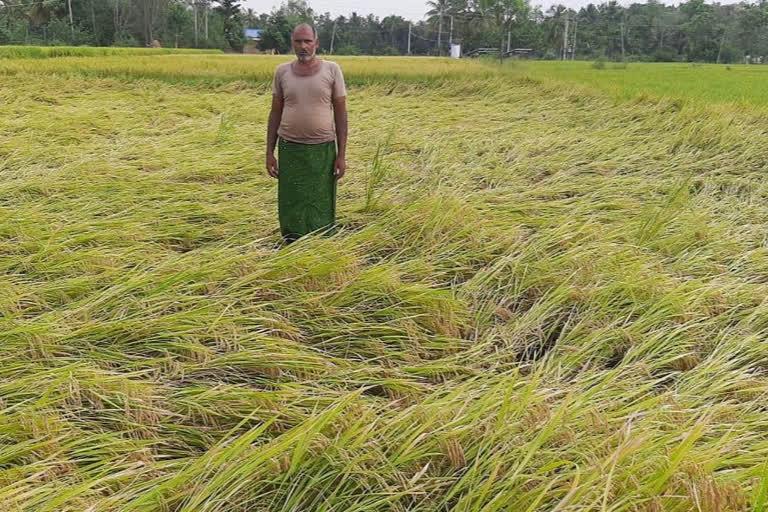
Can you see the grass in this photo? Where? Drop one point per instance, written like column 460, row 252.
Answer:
column 42, row 52
column 740, row 86
column 544, row 300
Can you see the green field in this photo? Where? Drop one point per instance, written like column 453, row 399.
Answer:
column 738, row 85
column 541, row 299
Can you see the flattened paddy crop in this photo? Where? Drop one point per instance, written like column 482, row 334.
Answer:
column 538, row 300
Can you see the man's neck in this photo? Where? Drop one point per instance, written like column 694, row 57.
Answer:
column 307, row 64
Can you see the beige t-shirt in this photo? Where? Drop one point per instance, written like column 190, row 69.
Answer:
column 308, row 102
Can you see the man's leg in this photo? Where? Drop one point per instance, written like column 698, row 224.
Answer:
column 290, row 201
column 321, row 216
column 306, row 188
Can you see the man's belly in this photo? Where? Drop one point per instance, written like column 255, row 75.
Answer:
column 307, row 125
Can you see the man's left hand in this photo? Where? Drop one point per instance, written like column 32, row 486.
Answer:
column 339, row 168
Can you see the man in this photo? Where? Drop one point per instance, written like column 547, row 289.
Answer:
column 308, row 123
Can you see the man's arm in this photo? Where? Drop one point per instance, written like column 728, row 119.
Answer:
column 340, row 116
column 275, row 116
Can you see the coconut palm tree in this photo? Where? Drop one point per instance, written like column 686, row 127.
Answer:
column 39, row 14
column 438, row 9
column 251, row 17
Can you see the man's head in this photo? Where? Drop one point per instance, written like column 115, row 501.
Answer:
column 304, row 40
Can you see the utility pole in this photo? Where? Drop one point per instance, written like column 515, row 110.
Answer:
column 621, row 26
column 197, row 24
column 501, row 48
column 661, row 38
column 205, row 12
column 575, row 30
column 71, row 20
column 565, row 37
column 509, row 41
column 333, row 35
column 93, row 18
column 116, row 16
column 409, row 37
column 440, row 34
column 450, row 37
column 722, row 41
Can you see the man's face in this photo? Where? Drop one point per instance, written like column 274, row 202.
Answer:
column 304, row 44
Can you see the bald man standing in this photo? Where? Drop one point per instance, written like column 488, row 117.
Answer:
column 308, row 124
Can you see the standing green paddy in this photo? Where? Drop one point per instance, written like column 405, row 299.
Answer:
column 739, row 85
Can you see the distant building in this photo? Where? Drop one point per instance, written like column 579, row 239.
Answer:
column 252, row 40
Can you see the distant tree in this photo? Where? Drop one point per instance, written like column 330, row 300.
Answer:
column 694, row 30
column 503, row 14
column 233, row 23
column 700, row 30
column 750, row 28
column 150, row 13
column 250, row 18
column 178, row 18
column 437, row 10
column 272, row 38
column 39, row 14
column 280, row 24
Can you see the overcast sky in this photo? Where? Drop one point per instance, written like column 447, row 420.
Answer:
column 409, row 9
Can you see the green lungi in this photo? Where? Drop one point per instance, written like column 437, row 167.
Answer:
column 306, row 191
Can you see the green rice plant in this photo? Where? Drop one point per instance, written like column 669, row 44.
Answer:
column 377, row 172
column 661, row 216
column 225, row 129
column 738, row 86
column 599, row 63
column 760, row 499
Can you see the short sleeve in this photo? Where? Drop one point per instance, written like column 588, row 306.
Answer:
column 277, row 87
column 339, row 87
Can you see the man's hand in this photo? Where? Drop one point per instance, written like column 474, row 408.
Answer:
column 339, row 167
column 272, row 166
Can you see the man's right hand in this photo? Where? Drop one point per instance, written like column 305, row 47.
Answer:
column 272, row 166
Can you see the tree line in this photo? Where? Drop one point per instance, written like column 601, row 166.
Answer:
column 653, row 31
